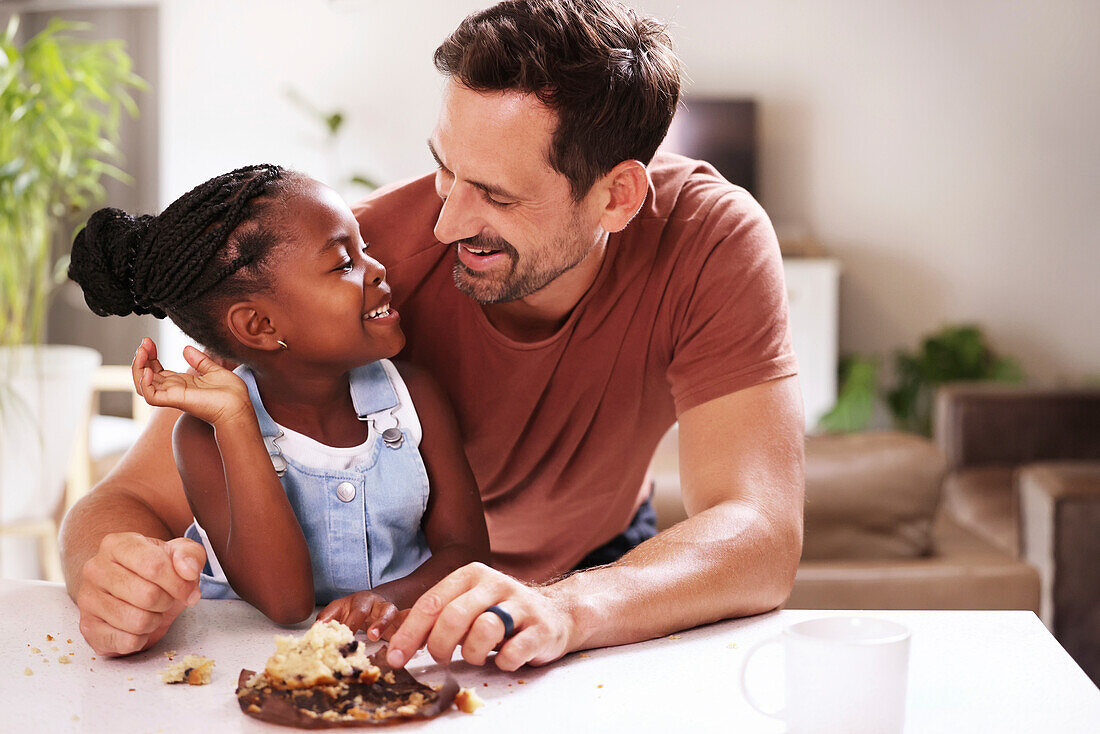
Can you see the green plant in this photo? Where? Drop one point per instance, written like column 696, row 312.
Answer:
column 61, row 102
column 855, row 403
column 955, row 353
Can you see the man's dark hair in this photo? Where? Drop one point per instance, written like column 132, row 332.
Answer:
column 609, row 74
column 206, row 249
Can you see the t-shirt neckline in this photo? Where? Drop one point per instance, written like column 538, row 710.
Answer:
column 482, row 320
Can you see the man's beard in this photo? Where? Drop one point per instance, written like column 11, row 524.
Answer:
column 520, row 281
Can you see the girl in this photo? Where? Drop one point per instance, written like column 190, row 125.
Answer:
column 307, row 468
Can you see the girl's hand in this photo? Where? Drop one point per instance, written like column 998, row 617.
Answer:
column 214, row 394
column 365, row 610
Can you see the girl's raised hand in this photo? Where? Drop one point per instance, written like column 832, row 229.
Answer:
column 214, row 394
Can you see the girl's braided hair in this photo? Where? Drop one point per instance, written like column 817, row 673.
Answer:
column 204, row 250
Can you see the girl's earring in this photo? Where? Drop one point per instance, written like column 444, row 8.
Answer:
column 281, row 343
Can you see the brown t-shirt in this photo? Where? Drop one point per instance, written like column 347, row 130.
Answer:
column 689, row 305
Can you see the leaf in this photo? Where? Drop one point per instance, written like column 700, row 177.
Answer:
column 855, row 404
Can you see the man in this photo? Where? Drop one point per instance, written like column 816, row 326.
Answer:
column 597, row 301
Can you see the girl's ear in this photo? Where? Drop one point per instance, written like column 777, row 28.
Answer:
column 250, row 325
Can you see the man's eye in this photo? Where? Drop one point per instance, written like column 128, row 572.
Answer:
column 498, row 204
column 346, row 266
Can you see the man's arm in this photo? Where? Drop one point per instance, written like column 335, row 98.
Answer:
column 742, row 481
column 123, row 569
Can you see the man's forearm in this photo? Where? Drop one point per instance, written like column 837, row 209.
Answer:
column 728, row 561
column 106, row 510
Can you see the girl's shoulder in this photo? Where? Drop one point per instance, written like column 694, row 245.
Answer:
column 425, row 392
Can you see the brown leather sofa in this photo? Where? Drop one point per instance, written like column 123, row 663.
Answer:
column 1024, row 474
column 876, row 535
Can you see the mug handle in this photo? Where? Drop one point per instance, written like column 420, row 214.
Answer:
column 779, row 713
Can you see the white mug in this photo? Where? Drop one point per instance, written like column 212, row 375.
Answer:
column 843, row 674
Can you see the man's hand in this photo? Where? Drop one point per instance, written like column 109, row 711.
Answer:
column 365, row 610
column 133, row 588
column 452, row 613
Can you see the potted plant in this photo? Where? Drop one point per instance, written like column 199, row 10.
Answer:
column 61, row 102
column 956, row 353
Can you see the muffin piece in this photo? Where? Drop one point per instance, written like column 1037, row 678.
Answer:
column 194, row 670
column 327, row 654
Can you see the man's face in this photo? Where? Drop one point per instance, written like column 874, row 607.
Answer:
column 510, row 215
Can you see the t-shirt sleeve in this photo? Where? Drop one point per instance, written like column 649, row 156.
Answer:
column 730, row 328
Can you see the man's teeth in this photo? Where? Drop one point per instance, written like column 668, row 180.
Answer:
column 380, row 311
column 481, row 252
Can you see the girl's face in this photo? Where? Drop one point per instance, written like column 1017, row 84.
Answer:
column 331, row 302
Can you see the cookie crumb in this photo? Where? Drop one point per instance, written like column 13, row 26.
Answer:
column 49, row 638
column 76, row 718
column 70, row 640
column 35, row 650
column 132, row 690
column 584, row 655
column 674, row 637
column 129, row 677
column 28, row 671
column 522, row 682
column 55, row 648
column 64, row 660
column 468, row 701
column 193, row 670
column 732, row 646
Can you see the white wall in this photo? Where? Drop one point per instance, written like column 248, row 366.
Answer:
column 947, row 152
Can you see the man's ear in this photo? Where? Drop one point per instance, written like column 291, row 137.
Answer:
column 626, row 185
column 250, row 325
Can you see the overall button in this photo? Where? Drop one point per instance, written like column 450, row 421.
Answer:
column 345, row 491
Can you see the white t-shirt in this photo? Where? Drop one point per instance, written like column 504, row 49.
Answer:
column 309, row 452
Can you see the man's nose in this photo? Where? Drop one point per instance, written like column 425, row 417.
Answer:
column 458, row 219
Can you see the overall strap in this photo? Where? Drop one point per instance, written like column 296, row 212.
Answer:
column 268, row 428
column 376, row 402
column 371, row 391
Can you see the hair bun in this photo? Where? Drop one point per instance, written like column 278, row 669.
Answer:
column 102, row 262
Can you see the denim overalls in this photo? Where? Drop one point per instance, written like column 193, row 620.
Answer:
column 362, row 525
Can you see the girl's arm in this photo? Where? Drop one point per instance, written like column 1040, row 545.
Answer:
column 232, row 487
column 454, row 522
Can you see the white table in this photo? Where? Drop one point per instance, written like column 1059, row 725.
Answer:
column 969, row 672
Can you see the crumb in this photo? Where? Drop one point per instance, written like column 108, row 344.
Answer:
column 129, row 677
column 170, row 654
column 584, row 655
column 35, row 650
column 69, row 641
column 486, row 685
column 49, row 638
column 64, row 660
column 468, row 701
column 76, row 718
column 388, row 677
column 522, row 682
column 732, row 646
column 193, row 670
column 93, row 657
column 55, row 648
column 132, row 690
column 28, row 671
column 674, row 637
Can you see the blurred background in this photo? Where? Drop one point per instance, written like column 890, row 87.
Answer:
column 932, row 170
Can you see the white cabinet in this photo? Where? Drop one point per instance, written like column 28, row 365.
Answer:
column 812, row 289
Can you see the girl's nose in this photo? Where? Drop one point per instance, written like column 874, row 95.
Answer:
column 376, row 271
